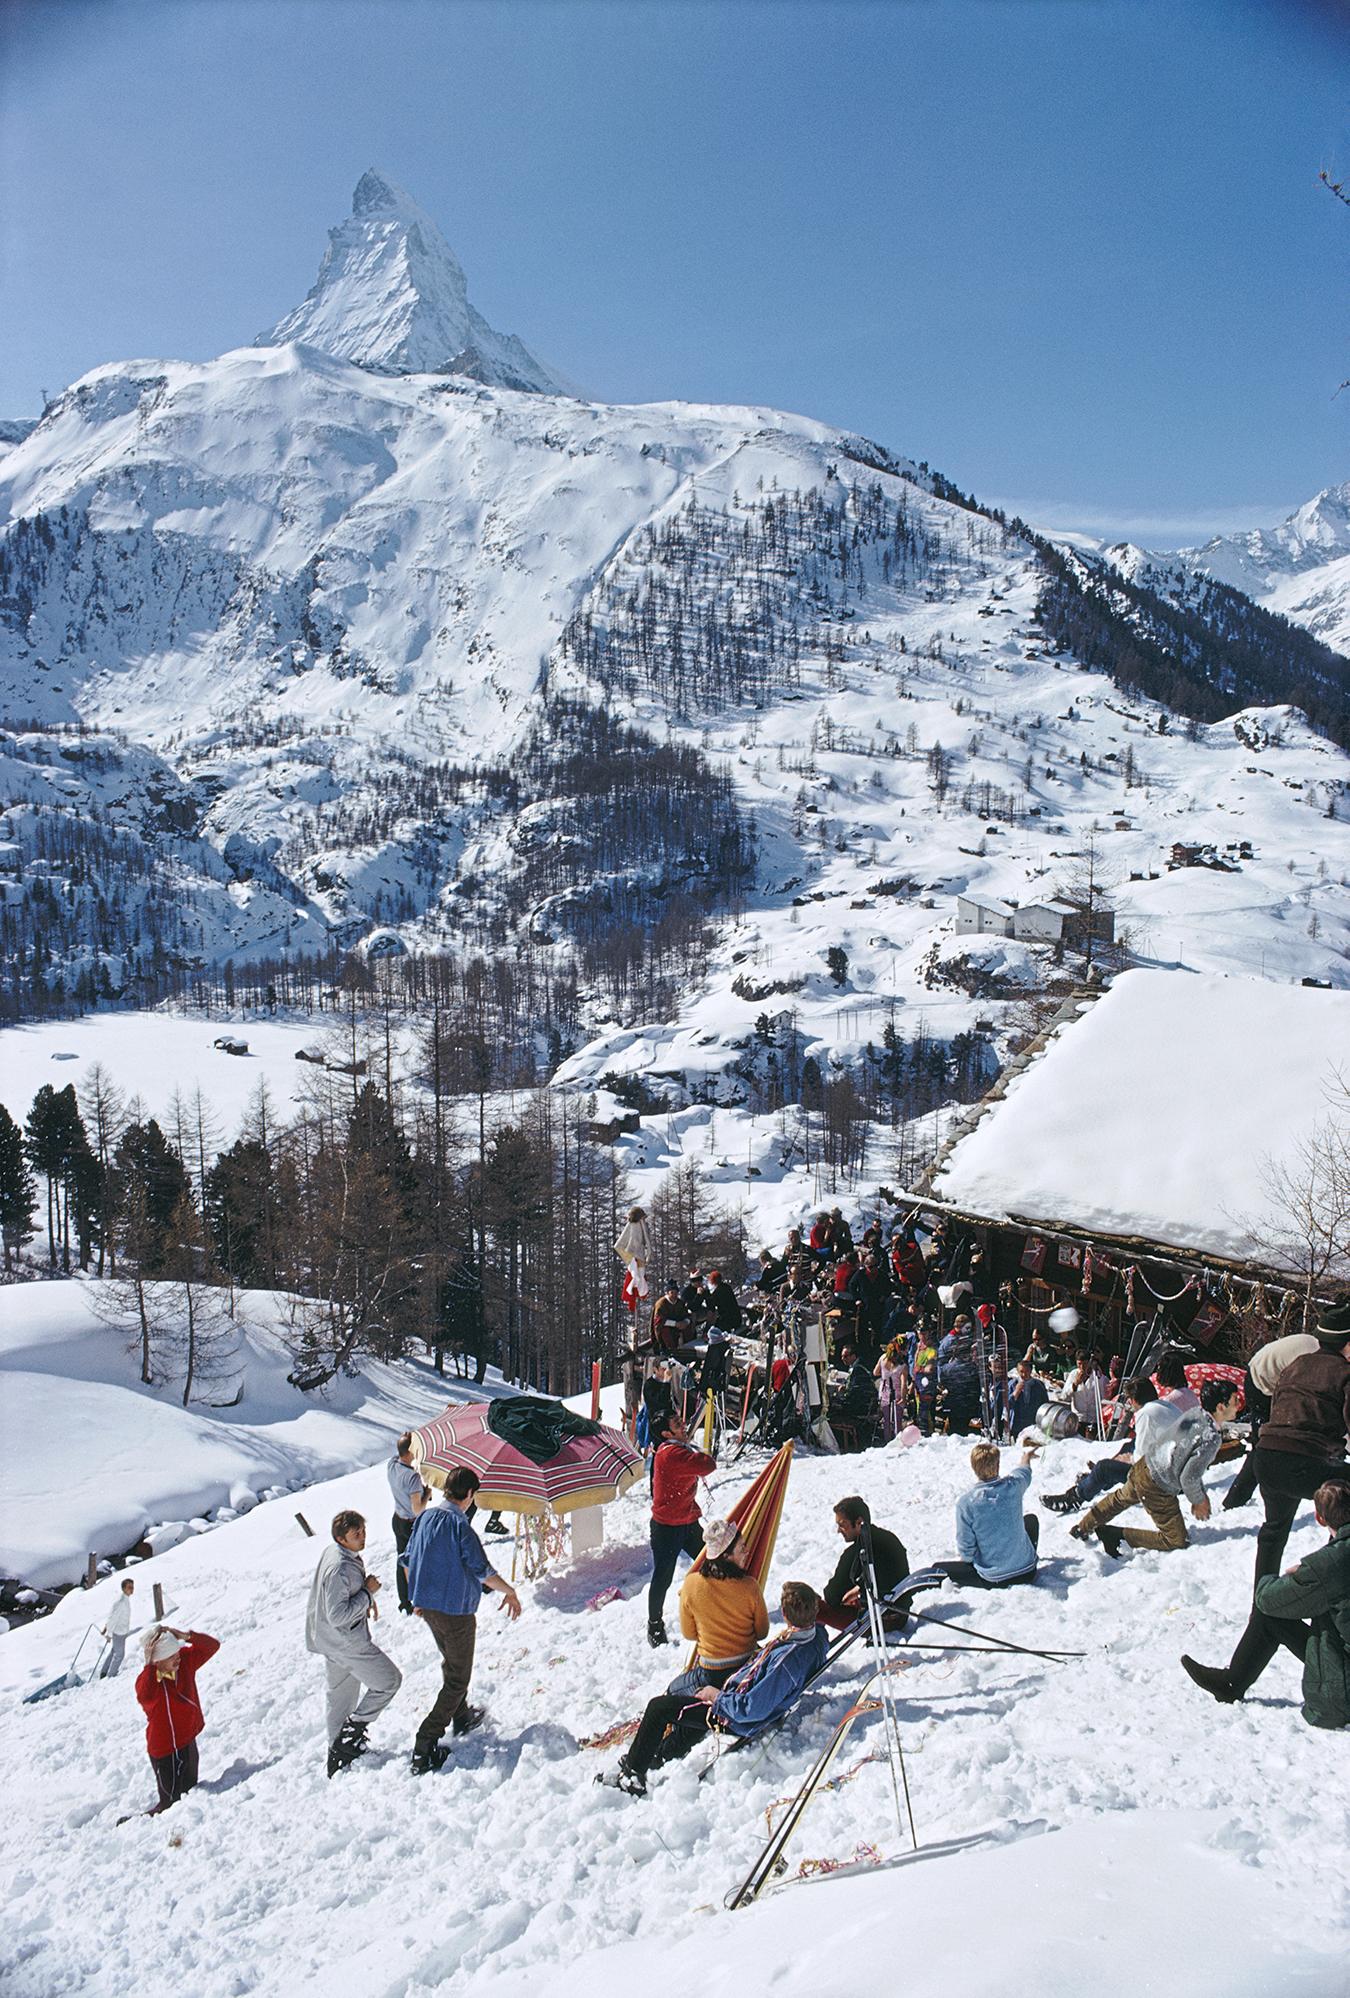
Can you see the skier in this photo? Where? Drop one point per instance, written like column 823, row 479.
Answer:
column 675, row 1723
column 722, row 1306
column 167, row 1691
column 1173, row 1448
column 995, row 1540
column 448, row 1573
column 341, row 1600
column 409, row 1498
column 1169, row 1377
column 959, row 1376
column 1264, row 1370
column 892, row 1380
column 923, row 1373
column 676, row 1470
column 1316, row 1588
column 870, row 1290
column 841, row 1235
column 772, row 1273
column 842, row 1603
column 1303, row 1444
column 634, row 1250
column 858, row 1407
column 722, row 1611
column 672, row 1324
column 1027, row 1396
column 117, row 1629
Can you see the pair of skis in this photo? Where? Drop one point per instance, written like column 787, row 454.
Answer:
column 993, row 1428
column 1146, row 1343
column 771, row 1860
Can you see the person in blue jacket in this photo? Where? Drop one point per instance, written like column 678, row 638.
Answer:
column 996, row 1543
column 448, row 1574
column 674, row 1723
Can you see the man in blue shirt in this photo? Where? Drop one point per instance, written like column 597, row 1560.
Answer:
column 674, row 1723
column 997, row 1545
column 447, row 1575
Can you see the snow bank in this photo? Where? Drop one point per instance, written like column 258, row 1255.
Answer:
column 1156, row 1111
column 1092, row 1825
column 93, row 1458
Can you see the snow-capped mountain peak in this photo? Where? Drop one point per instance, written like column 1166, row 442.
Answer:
column 391, row 295
column 1314, row 533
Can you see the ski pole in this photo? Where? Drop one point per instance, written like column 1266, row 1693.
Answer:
column 876, row 1621
column 1002, row 1643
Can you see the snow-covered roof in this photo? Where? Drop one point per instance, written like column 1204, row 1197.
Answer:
column 1155, row 1112
column 989, row 903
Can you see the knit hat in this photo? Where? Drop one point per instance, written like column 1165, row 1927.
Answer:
column 719, row 1537
column 160, row 1645
column 1333, row 1323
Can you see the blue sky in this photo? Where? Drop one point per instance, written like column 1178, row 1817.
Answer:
column 1072, row 252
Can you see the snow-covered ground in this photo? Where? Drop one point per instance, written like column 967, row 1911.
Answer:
column 1096, row 1824
column 93, row 1459
column 154, row 1056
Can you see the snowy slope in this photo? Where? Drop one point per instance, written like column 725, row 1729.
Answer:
column 391, row 295
column 94, row 1459
column 1061, row 1807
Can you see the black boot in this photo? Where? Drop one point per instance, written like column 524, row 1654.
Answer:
column 656, row 1633
column 1068, row 1501
column 1215, row 1680
column 467, row 1719
column 428, row 1757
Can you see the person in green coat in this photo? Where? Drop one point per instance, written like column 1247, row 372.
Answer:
column 1307, row 1611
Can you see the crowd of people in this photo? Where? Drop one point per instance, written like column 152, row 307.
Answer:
column 1297, row 1401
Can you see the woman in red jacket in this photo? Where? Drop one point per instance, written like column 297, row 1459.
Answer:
column 676, row 1470
column 167, row 1690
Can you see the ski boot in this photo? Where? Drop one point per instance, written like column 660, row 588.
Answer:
column 623, row 1778
column 467, row 1719
column 428, row 1757
column 656, row 1633
column 1068, row 1501
column 497, row 1527
column 349, row 1744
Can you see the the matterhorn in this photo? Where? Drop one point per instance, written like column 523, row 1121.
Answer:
column 391, row 295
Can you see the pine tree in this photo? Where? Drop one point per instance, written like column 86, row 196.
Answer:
column 18, row 1189
column 151, row 1181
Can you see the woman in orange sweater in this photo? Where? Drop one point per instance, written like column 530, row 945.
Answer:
column 722, row 1609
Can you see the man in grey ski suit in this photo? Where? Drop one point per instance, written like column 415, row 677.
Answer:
column 341, row 1598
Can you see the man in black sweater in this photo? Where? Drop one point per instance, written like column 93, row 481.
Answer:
column 1303, row 1443
column 842, row 1597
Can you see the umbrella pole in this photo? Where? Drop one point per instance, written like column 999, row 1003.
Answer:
column 515, row 1551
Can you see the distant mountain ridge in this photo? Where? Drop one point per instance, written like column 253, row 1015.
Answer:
column 1299, row 569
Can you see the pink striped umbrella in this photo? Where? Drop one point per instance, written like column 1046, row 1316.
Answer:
column 588, row 1470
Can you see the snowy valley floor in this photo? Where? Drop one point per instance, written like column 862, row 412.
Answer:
column 1096, row 1824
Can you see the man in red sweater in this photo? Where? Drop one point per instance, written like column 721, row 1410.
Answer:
column 676, row 1470
column 167, row 1690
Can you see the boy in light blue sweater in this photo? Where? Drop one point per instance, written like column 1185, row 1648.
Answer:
column 996, row 1542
